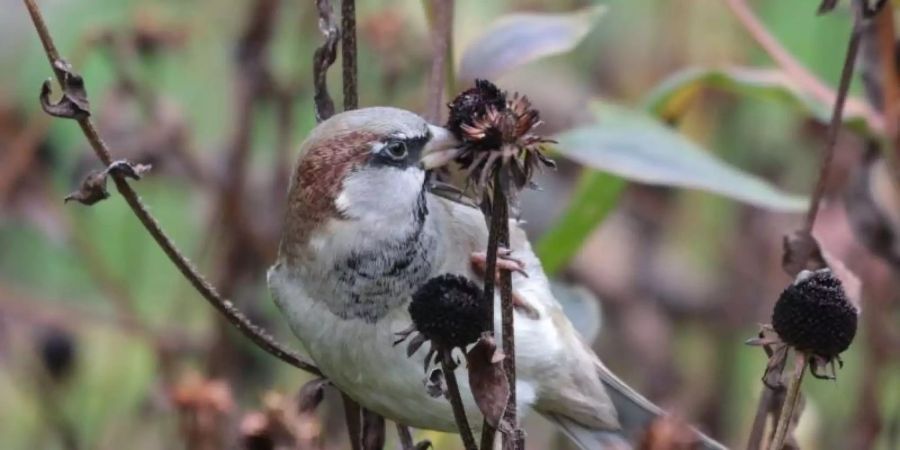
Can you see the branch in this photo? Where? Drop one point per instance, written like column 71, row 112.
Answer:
column 834, row 128
column 441, row 37
column 793, row 68
column 453, row 394
column 348, row 54
column 253, row 332
column 323, row 58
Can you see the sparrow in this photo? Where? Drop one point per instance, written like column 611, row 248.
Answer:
column 363, row 231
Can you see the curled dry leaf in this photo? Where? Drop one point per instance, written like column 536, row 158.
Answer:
column 435, row 384
column 74, row 103
column 487, row 378
column 323, row 58
column 311, row 395
column 802, row 251
column 91, row 190
column 128, row 170
column 93, row 186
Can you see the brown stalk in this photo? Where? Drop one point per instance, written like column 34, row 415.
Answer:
column 348, row 54
column 256, row 334
column 441, row 37
column 498, row 235
column 323, row 58
column 834, row 127
column 353, row 417
column 793, row 68
column 453, row 394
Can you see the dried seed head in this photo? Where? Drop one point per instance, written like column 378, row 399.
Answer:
column 814, row 315
column 497, row 130
column 448, row 310
column 57, row 350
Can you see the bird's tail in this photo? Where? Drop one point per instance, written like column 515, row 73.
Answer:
column 635, row 414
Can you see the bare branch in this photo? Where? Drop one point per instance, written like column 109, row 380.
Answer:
column 255, row 333
column 323, row 59
column 348, row 54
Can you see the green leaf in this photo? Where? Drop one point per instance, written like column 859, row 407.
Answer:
column 517, row 39
column 639, row 148
column 672, row 96
column 594, row 197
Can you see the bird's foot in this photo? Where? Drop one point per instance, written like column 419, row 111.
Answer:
column 505, row 261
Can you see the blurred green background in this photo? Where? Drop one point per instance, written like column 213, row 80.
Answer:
column 684, row 276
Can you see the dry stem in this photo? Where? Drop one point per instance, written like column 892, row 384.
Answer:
column 255, row 333
column 790, row 402
column 453, row 394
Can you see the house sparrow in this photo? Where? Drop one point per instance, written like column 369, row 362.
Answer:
column 362, row 232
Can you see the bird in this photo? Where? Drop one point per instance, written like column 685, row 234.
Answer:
column 363, row 231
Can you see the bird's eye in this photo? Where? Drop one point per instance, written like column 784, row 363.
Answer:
column 396, row 149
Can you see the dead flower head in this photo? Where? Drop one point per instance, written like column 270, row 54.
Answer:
column 813, row 316
column 497, row 131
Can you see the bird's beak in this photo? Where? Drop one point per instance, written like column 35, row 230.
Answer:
column 440, row 150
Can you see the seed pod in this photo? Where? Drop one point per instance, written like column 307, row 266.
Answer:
column 814, row 315
column 57, row 349
column 448, row 310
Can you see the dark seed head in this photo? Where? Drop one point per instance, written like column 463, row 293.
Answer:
column 473, row 104
column 449, row 311
column 57, row 350
column 814, row 315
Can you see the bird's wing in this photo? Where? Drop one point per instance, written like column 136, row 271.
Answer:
column 574, row 389
column 548, row 349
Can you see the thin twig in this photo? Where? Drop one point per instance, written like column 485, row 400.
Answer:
column 442, row 35
column 323, row 58
column 793, row 68
column 495, row 225
column 834, row 128
column 353, row 418
column 348, row 54
column 405, row 437
column 765, row 406
column 453, row 394
column 513, row 440
column 790, row 402
column 256, row 334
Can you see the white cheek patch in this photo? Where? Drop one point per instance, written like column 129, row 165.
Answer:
column 380, row 193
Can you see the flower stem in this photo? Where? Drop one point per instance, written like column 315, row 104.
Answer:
column 790, row 403
column 459, row 413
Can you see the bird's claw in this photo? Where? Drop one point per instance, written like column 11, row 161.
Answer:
column 505, row 261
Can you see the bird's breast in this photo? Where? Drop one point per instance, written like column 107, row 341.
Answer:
column 373, row 275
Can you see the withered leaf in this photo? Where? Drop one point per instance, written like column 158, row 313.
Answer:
column 311, row 395
column 435, row 384
column 74, row 103
column 127, row 169
column 91, row 190
column 487, row 378
column 801, row 252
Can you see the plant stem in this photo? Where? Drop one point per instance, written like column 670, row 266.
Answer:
column 500, row 207
column 767, row 403
column 441, row 57
column 790, row 403
column 834, row 127
column 459, row 412
column 256, row 334
column 348, row 54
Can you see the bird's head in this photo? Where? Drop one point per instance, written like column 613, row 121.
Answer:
column 366, row 165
